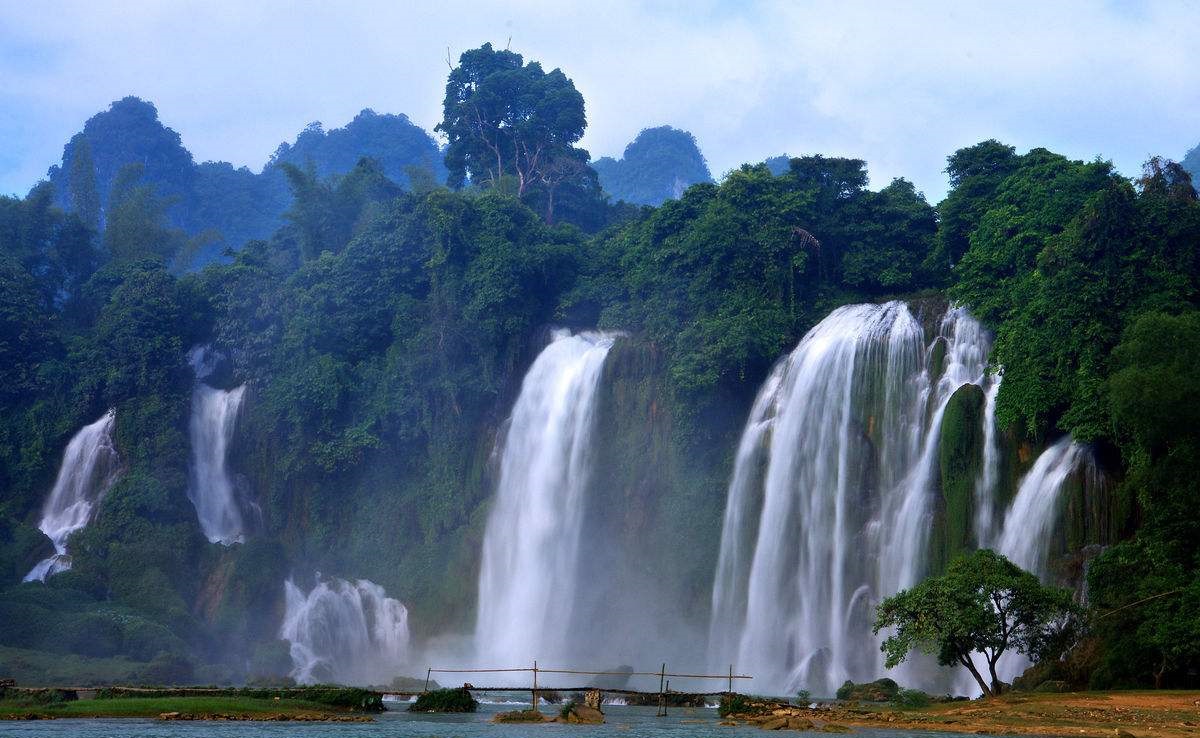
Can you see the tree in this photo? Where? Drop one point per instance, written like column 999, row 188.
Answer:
column 983, row 604
column 975, row 173
column 325, row 212
column 504, row 117
column 136, row 227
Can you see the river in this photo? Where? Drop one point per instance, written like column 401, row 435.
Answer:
column 628, row 722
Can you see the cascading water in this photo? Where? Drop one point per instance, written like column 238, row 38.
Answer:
column 345, row 633
column 1027, row 533
column 89, row 467
column 1034, row 514
column 985, row 486
column 830, row 504
column 214, row 414
column 531, row 545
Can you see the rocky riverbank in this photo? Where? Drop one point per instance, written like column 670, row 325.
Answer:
column 1086, row 714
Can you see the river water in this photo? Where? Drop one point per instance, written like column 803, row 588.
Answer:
column 628, row 722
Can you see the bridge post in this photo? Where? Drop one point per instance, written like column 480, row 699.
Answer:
column 731, row 679
column 535, row 689
column 427, row 673
column 662, row 696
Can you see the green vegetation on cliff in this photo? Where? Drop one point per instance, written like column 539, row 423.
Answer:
column 382, row 328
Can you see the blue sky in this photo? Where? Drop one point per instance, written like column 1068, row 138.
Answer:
column 898, row 84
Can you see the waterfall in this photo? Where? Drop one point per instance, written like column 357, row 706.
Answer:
column 1026, row 535
column 1034, row 514
column 214, row 414
column 344, row 633
column 830, row 503
column 89, row 467
column 531, row 544
column 985, row 486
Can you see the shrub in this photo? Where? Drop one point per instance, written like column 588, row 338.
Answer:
column 445, row 700
column 911, row 699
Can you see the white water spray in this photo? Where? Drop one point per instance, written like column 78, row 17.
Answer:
column 210, row 488
column 345, row 633
column 89, row 467
column 531, row 546
column 847, row 430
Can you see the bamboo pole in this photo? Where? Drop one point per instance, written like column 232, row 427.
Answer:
column 535, row 690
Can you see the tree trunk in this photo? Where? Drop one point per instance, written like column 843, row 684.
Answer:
column 1161, row 673
column 997, row 685
column 549, row 206
column 967, row 662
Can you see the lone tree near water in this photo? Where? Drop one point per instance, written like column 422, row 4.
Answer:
column 983, row 604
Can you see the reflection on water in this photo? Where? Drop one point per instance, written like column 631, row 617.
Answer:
column 628, row 722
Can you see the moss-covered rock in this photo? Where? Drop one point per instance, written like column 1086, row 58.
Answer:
column 880, row 690
column 521, row 716
column 960, row 455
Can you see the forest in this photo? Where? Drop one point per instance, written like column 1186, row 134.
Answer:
column 381, row 296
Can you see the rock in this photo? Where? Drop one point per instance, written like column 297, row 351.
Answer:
column 799, row 723
column 583, row 714
column 520, row 716
column 1123, row 734
column 778, row 723
column 880, row 690
column 168, row 716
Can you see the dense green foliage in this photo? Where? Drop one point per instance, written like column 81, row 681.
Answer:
column 216, row 205
column 1091, row 282
column 382, row 326
column 983, row 604
column 444, row 700
column 657, row 166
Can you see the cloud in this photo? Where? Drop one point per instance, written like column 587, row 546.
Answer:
column 900, row 85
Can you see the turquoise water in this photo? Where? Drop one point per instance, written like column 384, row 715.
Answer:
column 627, row 722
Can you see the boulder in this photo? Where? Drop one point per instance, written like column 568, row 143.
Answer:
column 880, row 690
column 582, row 714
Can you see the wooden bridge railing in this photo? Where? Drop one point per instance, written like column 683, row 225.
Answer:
column 662, row 674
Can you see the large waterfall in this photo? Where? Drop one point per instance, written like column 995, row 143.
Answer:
column 345, row 633
column 89, row 467
column 531, row 546
column 214, row 414
column 830, row 504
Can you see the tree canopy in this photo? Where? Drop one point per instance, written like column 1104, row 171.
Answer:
column 984, row 604
column 504, row 117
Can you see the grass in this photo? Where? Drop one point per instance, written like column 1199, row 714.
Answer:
column 42, row 667
column 155, row 706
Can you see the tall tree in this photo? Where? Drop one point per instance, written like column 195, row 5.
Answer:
column 504, row 117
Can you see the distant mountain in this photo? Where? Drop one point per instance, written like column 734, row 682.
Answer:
column 235, row 205
column 392, row 140
column 1191, row 163
column 778, row 164
column 658, row 165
